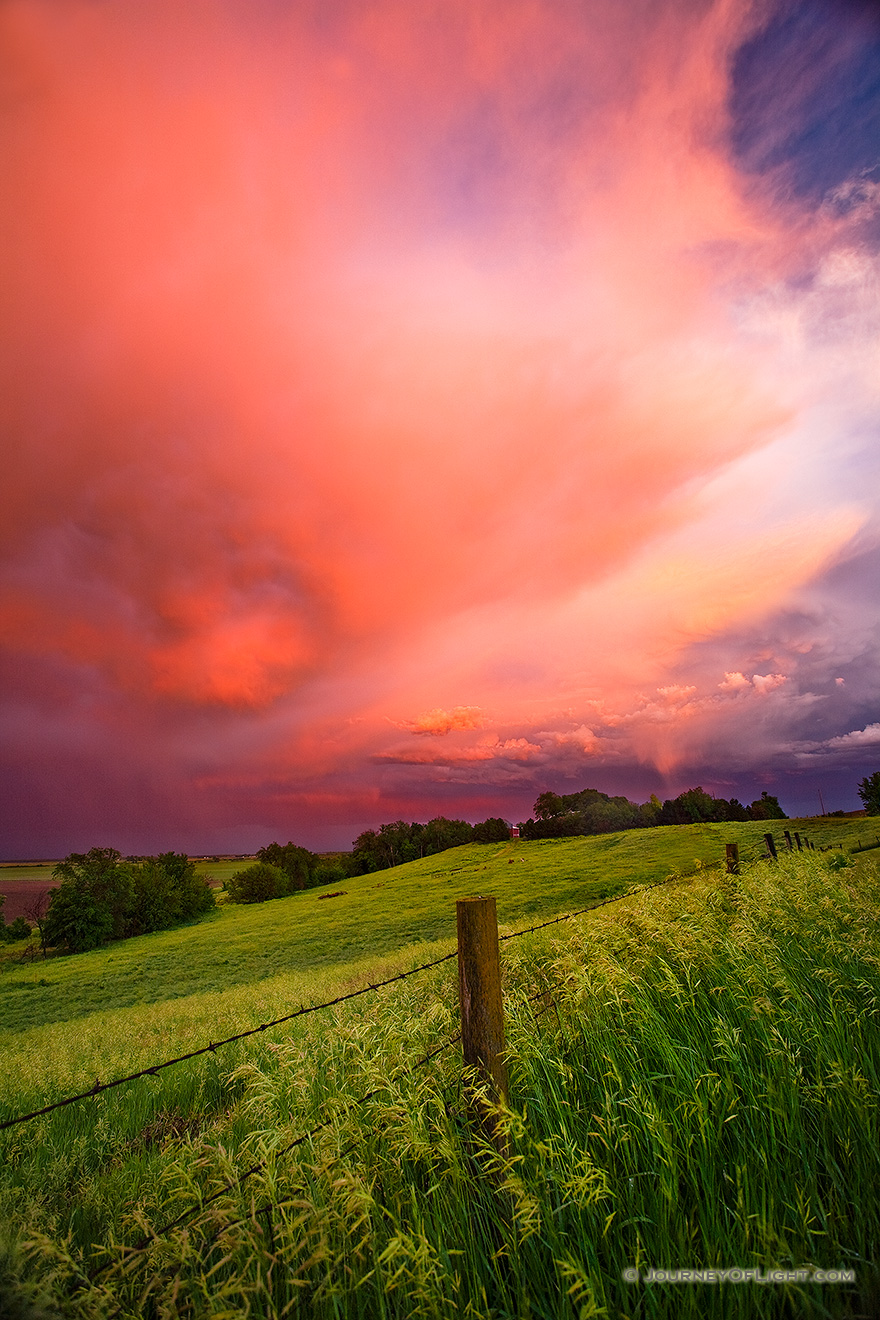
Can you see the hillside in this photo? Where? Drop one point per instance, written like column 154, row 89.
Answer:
column 310, row 939
column 702, row 1092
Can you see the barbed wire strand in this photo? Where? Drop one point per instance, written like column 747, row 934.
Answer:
column 346, row 1150
column 215, row 1045
column 151, row 1071
column 192, row 1212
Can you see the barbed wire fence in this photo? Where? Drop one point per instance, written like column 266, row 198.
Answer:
column 152, row 1069
column 193, row 1213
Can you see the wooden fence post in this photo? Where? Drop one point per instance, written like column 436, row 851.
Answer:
column 479, row 991
column 732, row 858
column 788, row 840
column 771, row 846
column 797, row 839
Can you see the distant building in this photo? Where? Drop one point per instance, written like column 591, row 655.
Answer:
column 514, row 831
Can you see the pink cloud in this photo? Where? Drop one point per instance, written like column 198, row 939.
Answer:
column 436, row 723
column 422, row 361
column 764, row 683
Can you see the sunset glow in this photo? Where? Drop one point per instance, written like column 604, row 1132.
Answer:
column 409, row 408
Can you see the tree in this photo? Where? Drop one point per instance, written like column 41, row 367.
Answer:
column 548, row 806
column 93, row 902
column 493, row 830
column 297, row 863
column 366, row 854
column 766, row 807
column 688, row 808
column 442, row 833
column 869, row 792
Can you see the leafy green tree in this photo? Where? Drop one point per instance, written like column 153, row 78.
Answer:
column 94, row 901
column 442, row 833
column 548, row 806
column 493, row 830
column 296, row 862
column 366, row 854
column 869, row 792
column 257, row 883
column 766, row 807
column 166, row 891
column 688, row 808
column 77, row 919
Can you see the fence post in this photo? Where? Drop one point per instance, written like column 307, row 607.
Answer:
column 479, row 991
column 797, row 839
column 732, row 858
column 771, row 846
column 788, row 840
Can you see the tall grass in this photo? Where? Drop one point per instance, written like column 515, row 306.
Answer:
column 702, row 1093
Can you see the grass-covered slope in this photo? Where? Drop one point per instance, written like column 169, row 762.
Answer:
column 377, row 915
column 67, row 1020
column 704, row 1093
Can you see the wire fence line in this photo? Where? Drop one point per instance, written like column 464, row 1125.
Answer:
column 154, row 1068
column 303, row 1010
column 548, row 994
column 192, row 1213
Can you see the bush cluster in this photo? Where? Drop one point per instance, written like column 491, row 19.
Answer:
column 256, row 883
column 282, row 869
column 103, row 896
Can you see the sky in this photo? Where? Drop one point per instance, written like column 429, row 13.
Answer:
column 408, row 408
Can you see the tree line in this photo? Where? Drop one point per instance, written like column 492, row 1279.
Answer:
column 560, row 815
column 103, row 896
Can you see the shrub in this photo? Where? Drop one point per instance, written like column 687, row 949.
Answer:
column 19, row 929
column 257, row 883
column 93, row 902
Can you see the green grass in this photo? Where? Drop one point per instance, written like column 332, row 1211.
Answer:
column 307, row 935
column 705, row 1092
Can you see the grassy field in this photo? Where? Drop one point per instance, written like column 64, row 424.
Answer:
column 705, row 1092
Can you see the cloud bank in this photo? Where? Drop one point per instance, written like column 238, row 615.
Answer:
column 410, row 410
